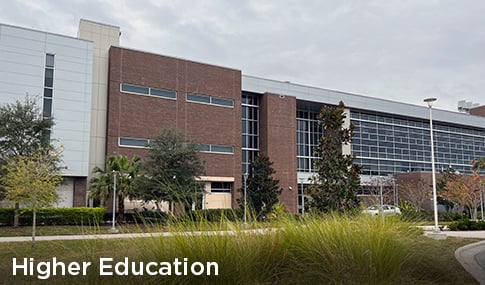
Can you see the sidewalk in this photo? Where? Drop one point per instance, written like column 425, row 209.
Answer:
column 472, row 256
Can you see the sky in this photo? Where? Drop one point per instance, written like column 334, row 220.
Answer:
column 397, row 50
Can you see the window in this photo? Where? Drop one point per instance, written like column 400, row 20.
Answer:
column 163, row 93
column 210, row 100
column 150, row 91
column 49, row 60
column 134, row 89
column 221, row 187
column 48, row 85
column 216, row 148
column 198, row 98
column 47, row 108
column 131, row 142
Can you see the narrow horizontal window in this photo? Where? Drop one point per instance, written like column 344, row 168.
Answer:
column 210, row 100
column 131, row 142
column 205, row 147
column 134, row 89
column 216, row 148
column 163, row 93
column 222, row 102
column 221, row 148
column 198, row 98
column 221, row 187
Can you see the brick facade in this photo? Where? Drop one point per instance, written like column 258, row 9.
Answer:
column 139, row 116
column 278, row 142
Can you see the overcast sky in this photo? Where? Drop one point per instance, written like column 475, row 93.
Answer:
column 398, row 50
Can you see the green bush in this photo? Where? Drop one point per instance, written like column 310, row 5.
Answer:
column 147, row 216
column 213, row 215
column 467, row 225
column 55, row 216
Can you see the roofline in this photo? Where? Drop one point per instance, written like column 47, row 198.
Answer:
column 179, row 58
column 45, row 32
column 311, row 93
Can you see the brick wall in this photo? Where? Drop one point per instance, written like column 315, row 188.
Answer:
column 278, row 141
column 138, row 116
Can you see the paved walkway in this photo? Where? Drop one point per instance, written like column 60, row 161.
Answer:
column 472, row 256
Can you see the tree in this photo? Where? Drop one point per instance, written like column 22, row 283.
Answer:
column 31, row 181
column 171, row 169
column 477, row 166
column 334, row 188
column 23, row 131
column 262, row 189
column 102, row 184
column 415, row 192
column 464, row 191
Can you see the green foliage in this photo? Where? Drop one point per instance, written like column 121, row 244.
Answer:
column 213, row 215
column 170, row 170
column 56, row 216
column 23, row 129
column 126, row 171
column 334, row 188
column 262, row 189
column 147, row 217
column 32, row 180
column 467, row 225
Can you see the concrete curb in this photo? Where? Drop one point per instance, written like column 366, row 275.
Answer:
column 472, row 258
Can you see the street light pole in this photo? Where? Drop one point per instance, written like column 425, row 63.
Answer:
column 433, row 170
column 245, row 194
column 113, row 227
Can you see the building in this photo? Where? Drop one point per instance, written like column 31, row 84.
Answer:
column 57, row 70
column 130, row 95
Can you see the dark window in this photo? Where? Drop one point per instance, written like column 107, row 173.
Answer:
column 47, row 108
column 134, row 89
column 48, row 92
column 221, row 187
column 49, row 60
column 49, row 77
column 198, row 98
column 133, row 142
column 163, row 93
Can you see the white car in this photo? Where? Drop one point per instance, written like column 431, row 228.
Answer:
column 386, row 210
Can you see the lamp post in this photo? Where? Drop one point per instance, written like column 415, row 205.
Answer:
column 113, row 227
column 435, row 198
column 245, row 175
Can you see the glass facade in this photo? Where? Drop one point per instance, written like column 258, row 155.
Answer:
column 386, row 144
column 250, row 129
column 308, row 133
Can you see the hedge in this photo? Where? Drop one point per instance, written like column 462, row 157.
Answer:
column 213, row 215
column 55, row 216
column 467, row 225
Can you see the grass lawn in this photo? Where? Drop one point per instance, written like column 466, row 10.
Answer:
column 8, row 231
column 324, row 251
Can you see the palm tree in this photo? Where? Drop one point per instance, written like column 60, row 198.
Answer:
column 101, row 185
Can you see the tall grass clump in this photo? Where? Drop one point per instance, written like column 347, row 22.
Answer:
column 347, row 250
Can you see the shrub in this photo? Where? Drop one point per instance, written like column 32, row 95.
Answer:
column 467, row 225
column 213, row 215
column 147, row 216
column 55, row 216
